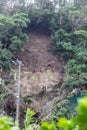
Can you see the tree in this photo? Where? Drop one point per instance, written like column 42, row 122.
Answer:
column 12, row 36
column 5, row 59
column 80, row 3
column 79, row 121
column 44, row 4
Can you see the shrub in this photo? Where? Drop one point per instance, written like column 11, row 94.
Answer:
column 5, row 58
column 12, row 36
column 72, row 47
column 79, row 122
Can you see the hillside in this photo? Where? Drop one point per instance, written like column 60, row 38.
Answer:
column 43, row 64
column 42, row 71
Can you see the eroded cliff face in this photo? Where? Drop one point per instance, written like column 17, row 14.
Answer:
column 42, row 88
column 42, row 73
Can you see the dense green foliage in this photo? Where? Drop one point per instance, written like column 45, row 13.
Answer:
column 72, row 47
column 66, row 106
column 71, row 44
column 3, row 96
column 29, row 120
column 79, row 122
column 76, row 67
column 67, row 26
column 12, row 36
column 40, row 20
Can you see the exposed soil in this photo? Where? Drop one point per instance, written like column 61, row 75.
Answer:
column 41, row 71
column 37, row 55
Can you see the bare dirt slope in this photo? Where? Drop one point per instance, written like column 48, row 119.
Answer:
column 37, row 54
column 42, row 70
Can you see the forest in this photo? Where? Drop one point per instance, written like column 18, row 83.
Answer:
column 43, row 64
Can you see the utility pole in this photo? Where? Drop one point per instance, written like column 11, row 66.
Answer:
column 18, row 92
